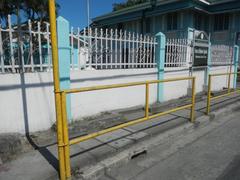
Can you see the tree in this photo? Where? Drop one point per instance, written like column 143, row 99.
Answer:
column 128, row 3
column 31, row 9
column 37, row 9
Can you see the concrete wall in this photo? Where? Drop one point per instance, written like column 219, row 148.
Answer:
column 27, row 100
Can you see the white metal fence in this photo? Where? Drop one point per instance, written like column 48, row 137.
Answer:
column 177, row 52
column 28, row 49
column 111, row 49
column 221, row 54
column 25, row 48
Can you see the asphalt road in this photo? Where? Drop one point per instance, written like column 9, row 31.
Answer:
column 214, row 154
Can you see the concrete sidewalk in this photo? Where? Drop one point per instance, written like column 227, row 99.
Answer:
column 91, row 158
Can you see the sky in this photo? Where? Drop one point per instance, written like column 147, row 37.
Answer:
column 75, row 11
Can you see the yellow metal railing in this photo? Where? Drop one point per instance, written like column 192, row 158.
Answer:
column 67, row 143
column 229, row 92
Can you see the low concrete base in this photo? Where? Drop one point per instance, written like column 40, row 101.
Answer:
column 189, row 91
column 205, row 88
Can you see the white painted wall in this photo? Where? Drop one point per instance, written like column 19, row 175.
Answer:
column 28, row 100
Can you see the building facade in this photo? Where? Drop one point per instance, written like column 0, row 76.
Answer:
column 218, row 18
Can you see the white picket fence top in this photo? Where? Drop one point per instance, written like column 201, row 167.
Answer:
column 94, row 49
column 112, row 49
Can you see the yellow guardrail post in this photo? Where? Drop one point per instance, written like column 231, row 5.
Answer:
column 193, row 100
column 147, row 100
column 209, row 94
column 65, row 136
column 52, row 15
column 229, row 79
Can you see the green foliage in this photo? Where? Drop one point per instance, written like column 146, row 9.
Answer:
column 128, row 3
column 31, row 9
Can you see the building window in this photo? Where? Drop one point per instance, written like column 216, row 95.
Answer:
column 148, row 25
column 172, row 21
column 198, row 20
column 221, row 22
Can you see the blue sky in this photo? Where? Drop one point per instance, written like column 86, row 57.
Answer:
column 76, row 10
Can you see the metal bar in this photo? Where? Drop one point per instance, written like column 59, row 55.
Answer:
column 40, row 47
column 222, row 74
column 48, row 47
column 120, row 48
column 72, row 48
column 105, row 131
column 111, row 42
column 78, row 47
column 116, row 48
column 125, row 49
column 93, row 88
column 106, row 49
column 65, row 135
column 11, row 44
column 223, row 95
column 84, row 50
column 193, row 100
column 30, row 45
column 229, row 79
column 90, row 48
column 96, row 47
column 209, row 94
column 137, row 50
column 129, row 50
column 147, row 100
column 53, row 29
column 22, row 57
column 101, row 46
column 1, row 51
column 133, row 50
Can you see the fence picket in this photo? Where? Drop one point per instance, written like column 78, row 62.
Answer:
column 106, row 49
column 125, row 49
column 48, row 47
column 79, row 50
column 133, row 50
column 98, row 48
column 40, row 46
column 120, row 44
column 116, row 49
column 72, row 52
column 111, row 37
column 30, row 45
column 1, row 51
column 11, row 43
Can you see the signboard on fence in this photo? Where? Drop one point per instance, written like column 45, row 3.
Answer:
column 201, row 46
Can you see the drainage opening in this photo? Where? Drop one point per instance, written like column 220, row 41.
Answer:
column 139, row 153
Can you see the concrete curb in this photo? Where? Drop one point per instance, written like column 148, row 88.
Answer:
column 121, row 158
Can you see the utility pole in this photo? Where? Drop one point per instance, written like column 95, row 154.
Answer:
column 88, row 13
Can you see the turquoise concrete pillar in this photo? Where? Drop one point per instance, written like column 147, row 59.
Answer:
column 64, row 58
column 207, row 70
column 236, row 56
column 160, row 59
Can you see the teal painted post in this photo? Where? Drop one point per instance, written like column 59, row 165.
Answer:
column 64, row 59
column 207, row 70
column 160, row 59
column 236, row 56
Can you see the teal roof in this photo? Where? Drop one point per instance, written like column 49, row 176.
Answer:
column 165, row 6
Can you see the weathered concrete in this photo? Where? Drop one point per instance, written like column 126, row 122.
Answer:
column 91, row 159
column 210, row 152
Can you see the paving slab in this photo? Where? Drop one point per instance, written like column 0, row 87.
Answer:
column 43, row 162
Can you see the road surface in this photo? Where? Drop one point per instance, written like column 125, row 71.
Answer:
column 213, row 154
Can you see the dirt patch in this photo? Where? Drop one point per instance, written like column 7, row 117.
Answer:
column 11, row 145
